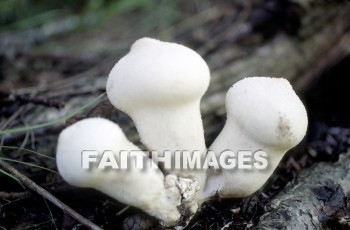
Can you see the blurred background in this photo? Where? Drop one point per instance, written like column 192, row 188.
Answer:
column 55, row 57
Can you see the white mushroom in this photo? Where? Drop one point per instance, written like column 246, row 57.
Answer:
column 146, row 189
column 262, row 114
column 160, row 85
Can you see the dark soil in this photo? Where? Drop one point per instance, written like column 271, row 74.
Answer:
column 326, row 100
column 328, row 137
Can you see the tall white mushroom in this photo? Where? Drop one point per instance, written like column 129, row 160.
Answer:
column 160, row 85
column 262, row 114
column 146, row 189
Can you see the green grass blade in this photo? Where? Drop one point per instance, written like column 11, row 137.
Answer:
column 9, row 175
column 26, row 163
column 28, row 150
column 62, row 119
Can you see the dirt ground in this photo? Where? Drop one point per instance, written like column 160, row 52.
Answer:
column 53, row 67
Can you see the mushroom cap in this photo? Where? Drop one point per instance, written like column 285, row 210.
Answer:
column 89, row 134
column 157, row 73
column 267, row 110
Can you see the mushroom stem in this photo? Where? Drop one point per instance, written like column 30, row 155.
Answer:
column 172, row 128
column 144, row 188
column 240, row 182
column 263, row 114
column 160, row 85
column 181, row 129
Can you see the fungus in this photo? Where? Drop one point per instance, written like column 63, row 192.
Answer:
column 262, row 114
column 131, row 186
column 160, row 85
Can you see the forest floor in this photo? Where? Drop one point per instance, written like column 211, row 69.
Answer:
column 49, row 71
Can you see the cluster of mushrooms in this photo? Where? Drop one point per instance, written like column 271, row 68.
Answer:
column 160, row 86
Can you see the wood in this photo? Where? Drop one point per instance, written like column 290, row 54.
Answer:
column 316, row 196
column 45, row 194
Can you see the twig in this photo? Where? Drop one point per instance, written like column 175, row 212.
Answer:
column 6, row 123
column 9, row 139
column 36, row 188
column 13, row 117
column 123, row 210
column 11, row 97
column 78, row 79
column 14, row 195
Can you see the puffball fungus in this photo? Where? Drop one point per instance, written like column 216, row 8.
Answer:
column 160, row 85
column 262, row 114
column 146, row 189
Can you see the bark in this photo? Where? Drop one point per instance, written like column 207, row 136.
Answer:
column 318, row 195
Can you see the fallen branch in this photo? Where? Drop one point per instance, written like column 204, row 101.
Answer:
column 36, row 188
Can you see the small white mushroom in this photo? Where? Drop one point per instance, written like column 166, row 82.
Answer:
column 146, row 189
column 160, row 85
column 262, row 114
